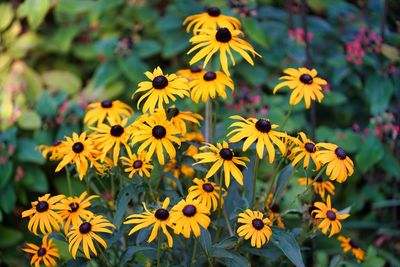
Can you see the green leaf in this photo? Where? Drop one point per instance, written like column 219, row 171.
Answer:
column 8, row 198
column 131, row 251
column 62, row 80
column 230, row 258
column 371, row 259
column 133, row 68
column 23, row 44
column 389, row 163
column 288, row 244
column 35, row 11
column 29, row 120
column 333, row 99
column 105, row 73
column 255, row 75
column 6, row 16
column 379, row 91
column 205, row 239
column 6, row 171
column 282, row 179
column 174, row 44
column 370, row 153
column 9, row 237
column 35, row 179
column 27, row 152
column 254, row 30
column 124, row 197
column 146, row 48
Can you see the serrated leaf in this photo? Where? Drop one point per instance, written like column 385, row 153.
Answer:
column 288, row 244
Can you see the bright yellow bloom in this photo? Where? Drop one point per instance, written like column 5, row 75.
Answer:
column 193, row 137
column 273, row 210
column 53, row 150
column 180, row 117
column 208, row 193
column 304, row 83
column 320, row 185
column 137, row 164
column 348, row 244
column 255, row 226
column 158, row 218
column 178, row 169
column 305, row 150
column 43, row 214
column 99, row 111
column 191, row 73
column 45, row 253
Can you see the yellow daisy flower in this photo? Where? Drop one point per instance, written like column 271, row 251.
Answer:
column 53, row 151
column 305, row 150
column 212, row 19
column 193, row 137
column 137, row 164
column 43, row 214
column 86, row 232
column 255, row 226
column 209, row 84
column 210, row 41
column 304, row 83
column 340, row 166
column 320, row 185
column 73, row 210
column 330, row 217
column 260, row 130
column 191, row 73
column 97, row 112
column 222, row 157
column 187, row 216
column 289, row 142
column 160, row 89
column 179, row 118
column 207, row 192
column 45, row 253
column 78, row 150
column 179, row 169
column 348, row 244
column 274, row 214
column 158, row 218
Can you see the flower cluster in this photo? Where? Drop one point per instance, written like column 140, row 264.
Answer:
column 364, row 41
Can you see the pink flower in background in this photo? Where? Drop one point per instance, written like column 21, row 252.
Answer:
column 19, row 174
column 297, row 34
column 364, row 41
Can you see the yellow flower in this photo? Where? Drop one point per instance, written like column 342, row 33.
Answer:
column 193, row 137
column 78, row 150
column 255, row 226
column 179, row 118
column 330, row 217
column 221, row 40
column 160, row 89
column 73, row 210
column 208, row 193
column 320, row 186
column 305, row 149
column 187, row 216
column 45, row 253
column 260, row 130
column 209, row 84
column 53, row 150
column 178, row 169
column 86, row 232
column 99, row 111
column 212, row 19
column 348, row 244
column 340, row 166
column 222, row 157
column 157, row 134
column 137, row 164
column 43, row 214
column 304, row 83
column 158, row 218
column 191, row 73
column 274, row 214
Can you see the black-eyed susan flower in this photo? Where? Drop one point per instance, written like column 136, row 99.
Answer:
column 180, row 117
column 348, row 244
column 255, row 226
column 260, row 130
column 221, row 40
column 273, row 210
column 207, row 192
column 161, row 89
column 104, row 166
column 43, row 214
column 289, row 142
column 191, row 73
column 330, row 217
column 320, row 185
column 212, row 19
column 209, row 84
column 110, row 138
column 74, row 210
column 340, row 166
column 179, row 169
column 194, row 138
column 86, row 232
column 223, row 158
column 52, row 151
column 188, row 215
column 157, row 134
column 305, row 150
column 137, row 164
column 78, row 150
column 97, row 112
column 44, row 254
column 157, row 219
column 305, row 85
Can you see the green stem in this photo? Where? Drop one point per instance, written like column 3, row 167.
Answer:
column 219, row 205
column 205, row 253
column 287, row 117
column 158, row 249
column 193, row 261
column 227, row 222
column 112, row 187
column 69, row 181
column 150, row 189
column 103, row 257
column 276, row 171
column 255, row 174
column 208, row 121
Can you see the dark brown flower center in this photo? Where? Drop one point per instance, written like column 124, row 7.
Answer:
column 74, row 207
column 85, row 228
column 319, row 179
column 137, row 164
column 77, row 147
column 340, row 153
column 42, row 206
column 331, row 215
column 208, row 187
column 195, row 69
column 41, row 252
column 210, row 76
column 161, row 214
column 173, row 112
column 258, row 224
column 306, row 79
column 160, row 82
column 117, row 130
column 189, row 210
column 56, row 143
column 159, row 132
column 106, row 104
column 226, row 154
column 310, row 147
column 275, row 208
column 263, row 125
column 213, row 11
column 311, row 209
column 223, row 35
column 353, row 244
